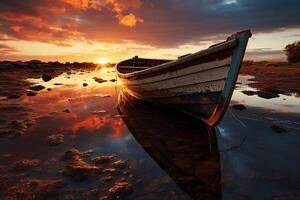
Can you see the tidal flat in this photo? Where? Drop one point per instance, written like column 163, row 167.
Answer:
column 69, row 132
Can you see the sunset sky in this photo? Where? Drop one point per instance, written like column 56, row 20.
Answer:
column 93, row 30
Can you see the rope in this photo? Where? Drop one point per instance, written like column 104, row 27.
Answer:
column 244, row 138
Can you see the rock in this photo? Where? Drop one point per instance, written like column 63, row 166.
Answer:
column 80, row 170
column 25, row 164
column 126, row 173
column 17, row 127
column 31, row 93
column 267, row 94
column 35, row 189
column 88, row 152
column 37, row 87
column 103, row 159
column 72, row 153
column 13, row 96
column 113, row 80
column 46, row 77
column 58, row 83
column 84, row 84
column 66, row 111
column 239, row 107
column 107, row 178
column 120, row 190
column 99, row 80
column 249, row 93
column 278, row 129
column 56, row 139
column 120, row 164
column 111, row 170
column 48, row 89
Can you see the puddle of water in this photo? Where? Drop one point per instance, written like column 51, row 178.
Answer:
column 157, row 153
column 283, row 103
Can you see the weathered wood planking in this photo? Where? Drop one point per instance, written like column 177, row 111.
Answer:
column 182, row 72
column 211, row 86
column 191, row 78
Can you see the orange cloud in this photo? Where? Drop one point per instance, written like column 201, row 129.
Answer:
column 84, row 4
column 17, row 17
column 16, row 28
column 130, row 20
column 117, row 6
column 121, row 5
column 57, row 10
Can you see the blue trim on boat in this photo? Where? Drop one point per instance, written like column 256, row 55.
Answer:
column 234, row 69
column 237, row 58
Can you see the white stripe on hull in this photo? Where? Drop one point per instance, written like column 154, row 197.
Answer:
column 212, row 86
column 195, row 78
column 182, row 72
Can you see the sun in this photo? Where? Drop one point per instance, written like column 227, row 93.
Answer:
column 102, row 61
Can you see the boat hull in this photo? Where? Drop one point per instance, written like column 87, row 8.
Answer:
column 201, row 85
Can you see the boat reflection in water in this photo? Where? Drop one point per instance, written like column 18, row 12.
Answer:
column 183, row 146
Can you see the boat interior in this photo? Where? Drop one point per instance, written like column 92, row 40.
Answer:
column 137, row 64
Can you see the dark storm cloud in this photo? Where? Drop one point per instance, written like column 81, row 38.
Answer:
column 182, row 21
column 157, row 22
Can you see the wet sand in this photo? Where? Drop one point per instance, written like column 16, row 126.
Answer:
column 62, row 136
column 275, row 79
column 70, row 142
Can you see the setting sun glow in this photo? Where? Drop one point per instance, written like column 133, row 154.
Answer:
column 102, row 61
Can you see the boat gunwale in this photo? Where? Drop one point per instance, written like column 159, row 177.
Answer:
column 202, row 53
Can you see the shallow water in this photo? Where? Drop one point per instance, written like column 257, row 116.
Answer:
column 167, row 154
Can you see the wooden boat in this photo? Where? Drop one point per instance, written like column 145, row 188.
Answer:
column 200, row 84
